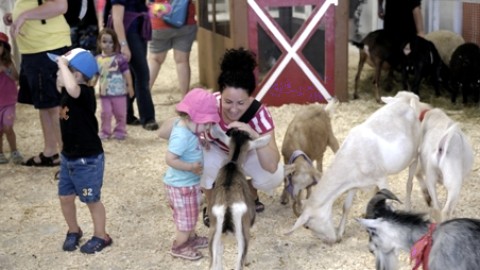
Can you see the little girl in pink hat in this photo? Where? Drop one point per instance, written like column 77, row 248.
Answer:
column 184, row 157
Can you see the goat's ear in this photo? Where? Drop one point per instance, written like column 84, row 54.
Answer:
column 302, row 219
column 369, row 224
column 387, row 100
column 288, row 169
column 260, row 142
column 217, row 133
column 316, row 173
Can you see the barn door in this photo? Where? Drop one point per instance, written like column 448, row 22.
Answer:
column 295, row 44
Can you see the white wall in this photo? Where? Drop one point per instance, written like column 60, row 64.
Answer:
column 437, row 14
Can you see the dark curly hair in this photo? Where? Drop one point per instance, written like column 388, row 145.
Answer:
column 237, row 70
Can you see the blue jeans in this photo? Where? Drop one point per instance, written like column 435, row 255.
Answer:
column 82, row 176
column 141, row 75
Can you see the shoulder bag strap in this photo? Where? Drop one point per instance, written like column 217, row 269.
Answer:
column 250, row 112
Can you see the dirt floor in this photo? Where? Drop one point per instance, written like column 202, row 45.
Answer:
column 32, row 228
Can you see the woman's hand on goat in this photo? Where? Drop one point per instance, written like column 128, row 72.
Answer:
column 245, row 127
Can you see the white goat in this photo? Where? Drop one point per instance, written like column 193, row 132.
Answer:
column 446, row 157
column 386, row 143
column 306, row 139
column 232, row 208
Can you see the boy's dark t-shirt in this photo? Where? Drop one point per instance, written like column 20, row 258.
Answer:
column 79, row 125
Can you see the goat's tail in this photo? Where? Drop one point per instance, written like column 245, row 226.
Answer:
column 357, row 44
column 444, row 144
column 451, row 139
column 331, row 106
column 230, row 169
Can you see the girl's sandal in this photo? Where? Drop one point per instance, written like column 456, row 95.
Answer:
column 198, row 241
column 186, row 251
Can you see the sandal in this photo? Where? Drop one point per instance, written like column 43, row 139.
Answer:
column 96, row 244
column 198, row 241
column 259, row 206
column 206, row 218
column 186, row 251
column 44, row 161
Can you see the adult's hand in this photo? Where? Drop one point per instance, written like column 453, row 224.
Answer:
column 244, row 127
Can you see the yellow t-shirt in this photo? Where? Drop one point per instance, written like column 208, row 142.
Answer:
column 37, row 37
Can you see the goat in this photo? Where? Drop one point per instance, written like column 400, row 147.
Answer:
column 446, row 157
column 232, row 208
column 379, row 50
column 306, row 139
column 386, row 143
column 422, row 59
column 465, row 72
column 453, row 244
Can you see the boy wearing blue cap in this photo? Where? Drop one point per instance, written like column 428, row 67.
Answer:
column 82, row 157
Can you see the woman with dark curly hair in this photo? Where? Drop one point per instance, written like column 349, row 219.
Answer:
column 239, row 109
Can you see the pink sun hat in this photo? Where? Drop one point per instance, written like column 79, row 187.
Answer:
column 200, row 105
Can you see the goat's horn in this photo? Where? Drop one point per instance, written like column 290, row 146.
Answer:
column 381, row 196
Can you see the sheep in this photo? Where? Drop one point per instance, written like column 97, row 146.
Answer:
column 445, row 42
column 453, row 244
column 306, row 139
column 446, row 157
column 379, row 50
column 232, row 208
column 386, row 143
column 465, row 72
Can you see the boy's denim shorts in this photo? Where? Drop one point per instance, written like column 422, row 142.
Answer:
column 82, row 177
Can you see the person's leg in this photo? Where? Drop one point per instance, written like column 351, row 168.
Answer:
column 11, row 137
column 139, row 67
column 97, row 211
column 106, row 117
column 182, row 64
column 155, row 62
column 51, row 131
column 119, row 110
column 66, row 195
column 182, row 45
column 69, row 211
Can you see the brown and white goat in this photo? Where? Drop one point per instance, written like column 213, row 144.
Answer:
column 232, row 208
column 306, row 139
column 446, row 157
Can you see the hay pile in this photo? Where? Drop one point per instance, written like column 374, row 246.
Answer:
column 32, row 228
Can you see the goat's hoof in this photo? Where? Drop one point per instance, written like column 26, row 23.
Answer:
column 355, row 96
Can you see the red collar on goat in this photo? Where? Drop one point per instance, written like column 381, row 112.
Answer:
column 421, row 249
column 422, row 114
column 293, row 157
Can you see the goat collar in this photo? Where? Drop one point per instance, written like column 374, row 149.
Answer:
column 293, row 157
column 422, row 114
column 421, row 249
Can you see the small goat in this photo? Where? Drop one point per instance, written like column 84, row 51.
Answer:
column 453, row 244
column 446, row 157
column 386, row 143
column 306, row 139
column 232, row 208
column 379, row 50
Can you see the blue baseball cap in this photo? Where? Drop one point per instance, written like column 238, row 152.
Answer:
column 81, row 60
